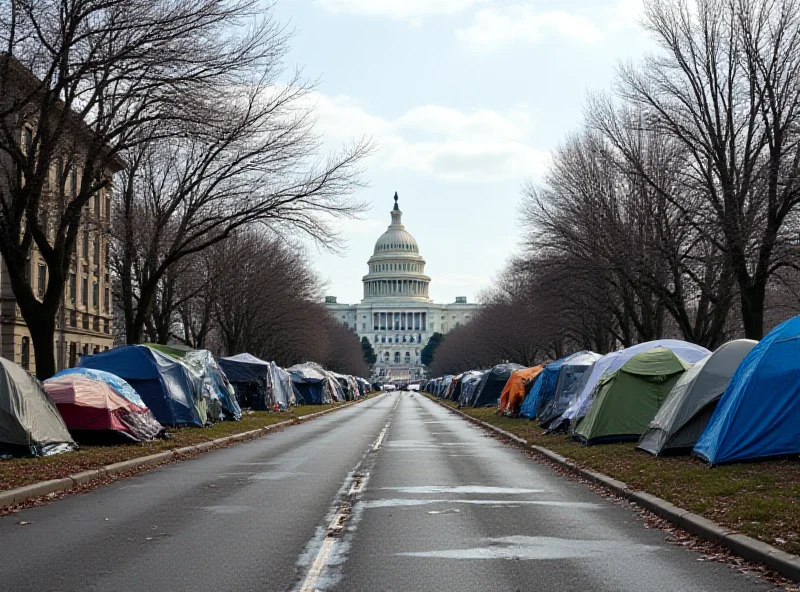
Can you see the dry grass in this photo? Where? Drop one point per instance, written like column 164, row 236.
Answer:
column 18, row 472
column 759, row 499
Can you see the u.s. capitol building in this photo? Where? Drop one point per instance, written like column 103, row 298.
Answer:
column 396, row 314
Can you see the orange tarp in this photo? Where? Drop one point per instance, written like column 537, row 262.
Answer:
column 514, row 391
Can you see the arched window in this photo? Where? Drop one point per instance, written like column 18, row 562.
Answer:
column 408, row 357
column 386, row 356
column 396, row 357
column 404, row 338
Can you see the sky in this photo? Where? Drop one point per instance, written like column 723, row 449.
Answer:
column 464, row 100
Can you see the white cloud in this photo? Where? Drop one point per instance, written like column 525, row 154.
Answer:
column 399, row 9
column 439, row 141
column 496, row 26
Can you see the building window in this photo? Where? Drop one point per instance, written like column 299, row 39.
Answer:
column 106, row 300
column 25, row 352
column 396, row 357
column 73, row 182
column 390, row 340
column 97, row 203
column 85, row 321
column 95, row 295
column 404, row 338
column 85, row 349
column 96, row 324
column 86, row 244
column 96, row 250
column 106, row 326
column 73, row 318
column 108, row 256
column 85, row 291
column 73, row 353
column 383, row 340
column 408, row 357
column 386, row 356
column 73, row 287
column 42, row 279
column 363, row 326
column 96, row 349
column 108, row 207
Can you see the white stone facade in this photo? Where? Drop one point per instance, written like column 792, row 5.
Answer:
column 396, row 313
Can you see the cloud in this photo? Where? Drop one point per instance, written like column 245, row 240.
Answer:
column 439, row 141
column 398, row 9
column 497, row 26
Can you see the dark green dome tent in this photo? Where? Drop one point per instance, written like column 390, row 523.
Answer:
column 629, row 398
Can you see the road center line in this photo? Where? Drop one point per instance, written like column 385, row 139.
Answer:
column 337, row 525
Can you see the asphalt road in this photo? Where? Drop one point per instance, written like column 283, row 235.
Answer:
column 394, row 494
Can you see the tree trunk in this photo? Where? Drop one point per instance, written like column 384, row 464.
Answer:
column 752, row 304
column 43, row 329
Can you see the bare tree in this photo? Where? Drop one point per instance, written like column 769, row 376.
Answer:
column 83, row 82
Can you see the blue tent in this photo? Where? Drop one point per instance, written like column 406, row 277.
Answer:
column 164, row 384
column 531, row 401
column 311, row 384
column 759, row 414
column 554, row 401
column 250, row 378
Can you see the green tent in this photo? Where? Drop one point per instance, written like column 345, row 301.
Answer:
column 628, row 399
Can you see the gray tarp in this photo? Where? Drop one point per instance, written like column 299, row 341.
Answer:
column 29, row 421
column 690, row 404
column 282, row 391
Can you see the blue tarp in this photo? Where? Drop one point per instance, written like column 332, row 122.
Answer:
column 531, row 401
column 112, row 380
column 759, row 414
column 553, row 402
column 164, row 384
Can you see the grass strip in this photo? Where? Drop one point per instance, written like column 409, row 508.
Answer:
column 17, row 472
column 759, row 499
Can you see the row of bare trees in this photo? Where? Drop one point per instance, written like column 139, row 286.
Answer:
column 673, row 210
column 189, row 103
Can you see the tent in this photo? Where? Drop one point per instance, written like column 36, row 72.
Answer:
column 215, row 383
column 514, row 391
column 250, row 378
column 555, row 400
column 95, row 413
column 458, row 392
column 487, row 393
column 685, row 414
column 758, row 416
column 165, row 385
column 282, row 392
column 114, row 381
column 531, row 400
column 629, row 398
column 584, row 396
column 468, row 385
column 312, row 384
column 30, row 424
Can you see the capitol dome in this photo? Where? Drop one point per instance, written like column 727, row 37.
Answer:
column 396, row 269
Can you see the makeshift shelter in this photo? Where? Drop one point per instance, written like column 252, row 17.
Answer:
column 487, row 393
column 313, row 384
column 469, row 383
column 30, row 424
column 584, row 396
column 282, row 392
column 250, row 378
column 686, row 412
column 95, row 413
column 215, row 382
column 554, row 401
column 514, row 391
column 165, row 385
column 119, row 385
column 629, row 398
column 758, row 416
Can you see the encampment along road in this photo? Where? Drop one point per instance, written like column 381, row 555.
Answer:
column 393, row 494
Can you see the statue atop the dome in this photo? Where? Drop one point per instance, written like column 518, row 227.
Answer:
column 395, row 201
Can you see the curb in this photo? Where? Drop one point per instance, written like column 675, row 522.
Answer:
column 746, row 547
column 20, row 495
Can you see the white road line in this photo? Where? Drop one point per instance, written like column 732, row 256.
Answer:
column 337, row 525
